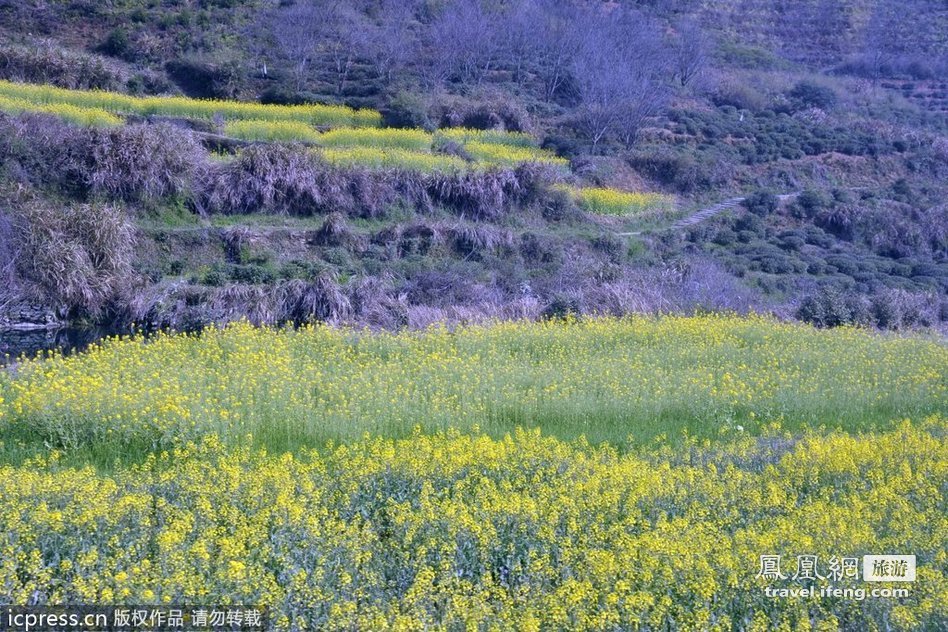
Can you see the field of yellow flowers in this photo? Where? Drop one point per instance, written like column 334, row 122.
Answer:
column 601, row 474
column 607, row 379
column 463, row 531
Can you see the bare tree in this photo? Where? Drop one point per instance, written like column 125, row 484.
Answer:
column 390, row 42
column 297, row 29
column 622, row 72
column 690, row 52
column 331, row 30
column 522, row 38
column 464, row 41
column 562, row 27
column 348, row 37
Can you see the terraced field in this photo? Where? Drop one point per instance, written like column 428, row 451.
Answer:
column 340, row 135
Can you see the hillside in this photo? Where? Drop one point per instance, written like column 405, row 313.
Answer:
column 125, row 208
column 439, row 315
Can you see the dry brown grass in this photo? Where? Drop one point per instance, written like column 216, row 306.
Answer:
column 80, row 255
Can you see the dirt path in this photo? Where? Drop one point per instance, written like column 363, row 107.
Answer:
column 706, row 213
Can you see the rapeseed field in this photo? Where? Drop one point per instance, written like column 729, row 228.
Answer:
column 600, row 474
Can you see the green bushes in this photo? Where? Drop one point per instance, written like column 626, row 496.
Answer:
column 677, row 169
column 810, row 203
column 761, row 203
column 220, row 274
column 116, row 44
column 767, row 136
column 807, row 94
column 66, row 69
column 206, row 80
column 832, row 306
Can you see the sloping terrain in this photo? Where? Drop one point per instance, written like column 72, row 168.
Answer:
column 447, row 174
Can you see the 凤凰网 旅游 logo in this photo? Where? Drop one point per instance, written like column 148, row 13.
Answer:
column 874, row 568
column 888, row 568
column 810, row 576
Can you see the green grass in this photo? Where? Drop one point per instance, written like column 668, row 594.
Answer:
column 609, row 380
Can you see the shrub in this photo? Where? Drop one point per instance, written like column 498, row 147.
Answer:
column 839, row 221
column 500, row 113
column 473, row 241
column 740, row 96
column 563, row 146
column 38, row 150
column 80, row 256
column 290, row 180
column 674, row 169
column 807, row 94
column 135, row 162
column 761, row 203
column 724, row 237
column 540, row 249
column 559, row 205
column 831, row 307
column 485, row 195
column 252, row 274
column 116, row 43
column 811, row 202
column 206, row 80
column 335, row 231
column 562, row 308
column 142, row 162
column 407, row 109
column 270, row 179
column 9, row 255
column 66, row 69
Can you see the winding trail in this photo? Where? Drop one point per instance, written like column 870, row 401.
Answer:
column 707, row 213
